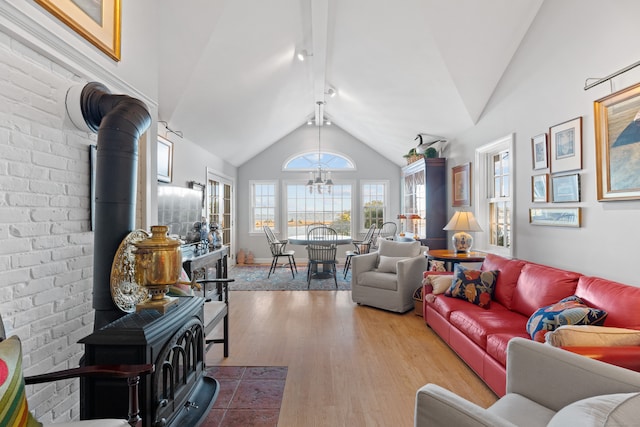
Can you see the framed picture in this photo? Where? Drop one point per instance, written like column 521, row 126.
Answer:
column 566, row 188
column 617, row 126
column 560, row 217
column 461, row 179
column 566, row 146
column 98, row 21
column 539, row 151
column 539, row 185
column 165, row 160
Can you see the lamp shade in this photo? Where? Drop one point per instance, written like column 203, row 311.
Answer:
column 463, row 221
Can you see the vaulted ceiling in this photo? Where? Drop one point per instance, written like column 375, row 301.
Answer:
column 230, row 80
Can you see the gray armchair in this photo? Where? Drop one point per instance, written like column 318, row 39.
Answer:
column 544, row 385
column 387, row 278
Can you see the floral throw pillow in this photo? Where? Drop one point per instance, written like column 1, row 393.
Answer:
column 14, row 410
column 475, row 286
column 568, row 311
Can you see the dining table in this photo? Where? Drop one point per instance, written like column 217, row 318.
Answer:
column 304, row 240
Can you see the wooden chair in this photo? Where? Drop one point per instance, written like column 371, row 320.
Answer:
column 278, row 249
column 361, row 247
column 322, row 253
column 130, row 373
column 386, row 232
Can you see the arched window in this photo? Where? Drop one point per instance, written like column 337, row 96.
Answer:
column 309, row 162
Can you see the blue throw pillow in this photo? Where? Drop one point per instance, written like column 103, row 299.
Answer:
column 568, row 311
column 475, row 286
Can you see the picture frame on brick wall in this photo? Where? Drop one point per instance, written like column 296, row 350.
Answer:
column 96, row 21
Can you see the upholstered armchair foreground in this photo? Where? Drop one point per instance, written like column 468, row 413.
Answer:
column 546, row 386
column 387, row 278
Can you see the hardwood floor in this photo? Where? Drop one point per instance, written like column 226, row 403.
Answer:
column 348, row 365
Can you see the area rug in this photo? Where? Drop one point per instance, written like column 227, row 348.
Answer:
column 253, row 277
column 249, row 396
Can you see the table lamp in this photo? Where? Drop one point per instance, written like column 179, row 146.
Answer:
column 414, row 218
column 402, row 217
column 461, row 222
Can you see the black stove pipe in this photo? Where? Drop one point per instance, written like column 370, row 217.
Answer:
column 120, row 121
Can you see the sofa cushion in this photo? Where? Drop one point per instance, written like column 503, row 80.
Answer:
column 622, row 302
column 567, row 311
column 507, row 279
column 477, row 324
column 445, row 306
column 388, row 264
column 398, row 249
column 14, row 410
column 497, row 344
column 540, row 285
column 439, row 282
column 474, row 286
column 592, row 336
column 619, row 409
column 376, row 279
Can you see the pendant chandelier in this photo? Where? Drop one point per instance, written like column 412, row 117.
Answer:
column 321, row 178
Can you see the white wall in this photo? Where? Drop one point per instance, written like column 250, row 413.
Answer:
column 570, row 41
column 268, row 166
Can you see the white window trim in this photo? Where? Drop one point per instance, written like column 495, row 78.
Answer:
column 252, row 200
column 481, row 193
column 385, row 206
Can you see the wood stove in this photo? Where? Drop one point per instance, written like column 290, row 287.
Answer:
column 177, row 393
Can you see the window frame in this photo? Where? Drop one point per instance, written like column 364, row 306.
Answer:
column 385, row 205
column 252, row 203
column 483, row 193
column 285, row 201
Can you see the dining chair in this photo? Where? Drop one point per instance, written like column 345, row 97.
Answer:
column 387, row 232
column 322, row 250
column 361, row 247
column 278, row 249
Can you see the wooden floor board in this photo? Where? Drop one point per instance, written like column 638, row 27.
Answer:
column 349, row 365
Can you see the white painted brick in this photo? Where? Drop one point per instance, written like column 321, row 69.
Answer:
column 47, row 187
column 68, row 177
column 81, row 239
column 49, row 160
column 30, row 259
column 48, row 214
column 12, row 277
column 24, row 79
column 68, row 227
column 12, row 215
column 14, row 245
column 32, row 287
column 64, row 201
column 5, row 263
column 78, row 190
column 27, row 200
column 49, row 242
column 79, row 214
column 25, row 317
column 50, row 269
column 68, row 252
column 80, row 262
column 28, row 230
column 9, row 183
column 26, row 170
column 48, row 296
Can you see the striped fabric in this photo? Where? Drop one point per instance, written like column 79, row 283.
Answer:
column 14, row 411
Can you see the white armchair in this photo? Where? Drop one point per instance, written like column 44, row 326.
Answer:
column 387, row 278
column 546, row 386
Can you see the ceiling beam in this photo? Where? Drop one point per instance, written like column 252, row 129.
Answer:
column 319, row 29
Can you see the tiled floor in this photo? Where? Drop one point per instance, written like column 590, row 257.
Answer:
column 249, row 396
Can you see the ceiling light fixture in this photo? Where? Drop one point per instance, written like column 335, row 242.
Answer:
column 320, row 179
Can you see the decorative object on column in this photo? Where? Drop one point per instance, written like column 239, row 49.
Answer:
column 414, row 222
column 461, row 223
column 401, row 218
column 158, row 265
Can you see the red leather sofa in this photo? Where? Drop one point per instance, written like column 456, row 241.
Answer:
column 480, row 336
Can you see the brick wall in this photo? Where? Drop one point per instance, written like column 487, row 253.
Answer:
column 46, row 248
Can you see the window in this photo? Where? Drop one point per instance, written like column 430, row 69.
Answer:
column 494, row 198
column 263, row 205
column 373, row 203
column 309, row 162
column 332, row 209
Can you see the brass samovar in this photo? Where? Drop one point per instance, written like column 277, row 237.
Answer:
column 158, row 264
